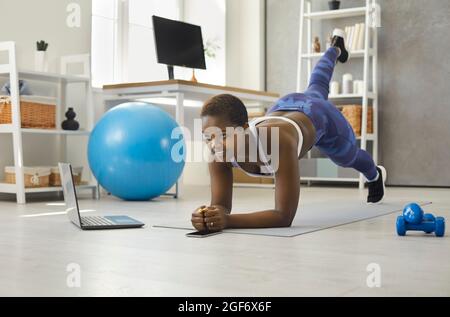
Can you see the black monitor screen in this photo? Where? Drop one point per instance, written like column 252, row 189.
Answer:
column 179, row 43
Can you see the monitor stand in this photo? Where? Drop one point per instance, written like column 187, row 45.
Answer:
column 170, row 69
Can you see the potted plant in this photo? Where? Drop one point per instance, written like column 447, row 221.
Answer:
column 334, row 5
column 210, row 48
column 40, row 60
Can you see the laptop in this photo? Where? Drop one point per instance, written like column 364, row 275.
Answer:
column 93, row 222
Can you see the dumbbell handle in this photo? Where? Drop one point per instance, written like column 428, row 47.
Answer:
column 425, row 226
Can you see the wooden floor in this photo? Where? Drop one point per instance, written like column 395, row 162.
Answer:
column 38, row 244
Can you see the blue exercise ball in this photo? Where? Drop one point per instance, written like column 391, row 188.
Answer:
column 132, row 153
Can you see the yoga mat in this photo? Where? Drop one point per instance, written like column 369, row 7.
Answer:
column 314, row 217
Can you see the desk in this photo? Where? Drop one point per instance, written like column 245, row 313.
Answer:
column 181, row 91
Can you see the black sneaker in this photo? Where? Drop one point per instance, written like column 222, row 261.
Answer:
column 377, row 188
column 338, row 41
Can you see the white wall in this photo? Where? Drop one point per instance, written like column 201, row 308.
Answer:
column 211, row 16
column 246, row 44
column 242, row 56
column 25, row 22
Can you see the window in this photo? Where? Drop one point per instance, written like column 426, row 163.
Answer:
column 142, row 64
column 211, row 16
column 104, row 30
column 123, row 45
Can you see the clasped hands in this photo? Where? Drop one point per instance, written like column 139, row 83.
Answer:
column 210, row 218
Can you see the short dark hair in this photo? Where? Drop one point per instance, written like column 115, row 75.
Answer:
column 229, row 107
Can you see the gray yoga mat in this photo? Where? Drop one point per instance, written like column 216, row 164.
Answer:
column 314, row 217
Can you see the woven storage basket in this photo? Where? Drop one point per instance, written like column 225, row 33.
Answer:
column 33, row 114
column 55, row 176
column 353, row 114
column 34, row 176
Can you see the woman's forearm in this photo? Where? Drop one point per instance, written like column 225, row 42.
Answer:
column 260, row 219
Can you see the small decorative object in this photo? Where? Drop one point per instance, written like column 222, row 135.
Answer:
column 358, row 87
column 23, row 88
column 329, row 40
column 347, row 83
column 40, row 58
column 355, row 87
column 334, row 5
column 316, row 45
column 334, row 88
column 194, row 79
column 210, row 49
column 70, row 124
column 361, row 86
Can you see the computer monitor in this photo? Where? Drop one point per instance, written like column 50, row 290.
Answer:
column 178, row 44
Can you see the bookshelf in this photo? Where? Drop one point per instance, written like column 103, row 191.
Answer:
column 61, row 81
column 367, row 50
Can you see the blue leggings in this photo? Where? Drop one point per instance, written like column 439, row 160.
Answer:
column 334, row 135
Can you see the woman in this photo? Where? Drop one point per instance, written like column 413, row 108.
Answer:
column 299, row 121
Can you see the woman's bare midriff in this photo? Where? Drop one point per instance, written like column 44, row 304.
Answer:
column 305, row 124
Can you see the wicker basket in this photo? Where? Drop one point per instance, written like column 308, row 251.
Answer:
column 33, row 176
column 353, row 114
column 33, row 114
column 55, row 176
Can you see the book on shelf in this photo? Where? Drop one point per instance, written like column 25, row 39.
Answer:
column 355, row 36
column 361, row 36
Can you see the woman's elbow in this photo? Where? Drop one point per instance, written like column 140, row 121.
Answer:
column 286, row 221
column 287, row 224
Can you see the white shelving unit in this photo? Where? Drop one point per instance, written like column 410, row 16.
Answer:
column 61, row 81
column 370, row 59
column 355, row 54
column 334, row 14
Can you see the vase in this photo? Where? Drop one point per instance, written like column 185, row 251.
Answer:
column 334, row 88
column 40, row 61
column 334, row 5
column 358, row 87
column 347, row 84
column 70, row 124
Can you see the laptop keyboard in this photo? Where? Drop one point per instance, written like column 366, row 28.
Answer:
column 96, row 222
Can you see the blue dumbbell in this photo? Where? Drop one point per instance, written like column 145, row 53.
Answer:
column 414, row 219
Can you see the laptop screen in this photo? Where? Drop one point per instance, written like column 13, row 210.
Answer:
column 70, row 196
